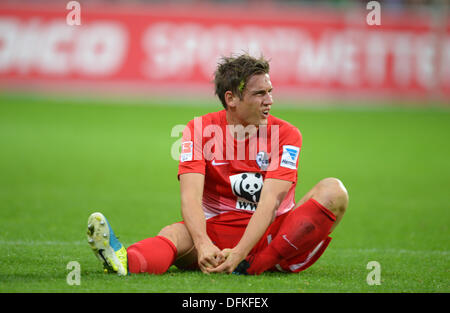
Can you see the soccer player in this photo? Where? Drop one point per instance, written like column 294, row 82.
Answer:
column 238, row 174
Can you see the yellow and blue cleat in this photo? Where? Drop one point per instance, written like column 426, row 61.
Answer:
column 105, row 245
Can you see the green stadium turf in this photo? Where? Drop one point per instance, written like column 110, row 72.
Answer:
column 62, row 159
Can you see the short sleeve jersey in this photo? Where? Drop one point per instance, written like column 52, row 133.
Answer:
column 235, row 170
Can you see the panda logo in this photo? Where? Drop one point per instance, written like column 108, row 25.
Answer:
column 247, row 186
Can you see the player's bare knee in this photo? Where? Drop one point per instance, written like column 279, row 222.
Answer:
column 333, row 195
column 179, row 235
column 170, row 232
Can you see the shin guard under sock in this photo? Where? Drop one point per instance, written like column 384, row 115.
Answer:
column 152, row 255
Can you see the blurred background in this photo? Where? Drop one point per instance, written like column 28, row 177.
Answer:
column 322, row 51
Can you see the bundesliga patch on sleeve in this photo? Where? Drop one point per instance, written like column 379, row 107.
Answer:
column 289, row 157
column 186, row 151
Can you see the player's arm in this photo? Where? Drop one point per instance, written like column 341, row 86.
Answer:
column 272, row 194
column 191, row 185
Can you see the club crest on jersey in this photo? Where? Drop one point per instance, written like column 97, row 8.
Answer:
column 247, row 188
column 262, row 159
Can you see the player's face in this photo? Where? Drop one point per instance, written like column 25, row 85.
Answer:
column 254, row 107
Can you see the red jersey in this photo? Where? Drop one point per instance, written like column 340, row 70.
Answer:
column 235, row 170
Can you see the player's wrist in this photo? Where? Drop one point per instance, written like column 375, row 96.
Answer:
column 241, row 252
column 202, row 241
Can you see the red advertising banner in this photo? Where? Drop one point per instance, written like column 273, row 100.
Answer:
column 160, row 47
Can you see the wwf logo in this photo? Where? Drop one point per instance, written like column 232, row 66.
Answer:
column 247, row 187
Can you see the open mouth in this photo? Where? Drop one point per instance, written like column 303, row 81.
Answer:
column 265, row 112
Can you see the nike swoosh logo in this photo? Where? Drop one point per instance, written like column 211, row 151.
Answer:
column 290, row 243
column 100, row 251
column 215, row 163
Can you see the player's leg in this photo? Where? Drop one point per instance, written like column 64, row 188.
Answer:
column 314, row 217
column 330, row 193
column 156, row 254
column 225, row 231
column 174, row 245
column 179, row 235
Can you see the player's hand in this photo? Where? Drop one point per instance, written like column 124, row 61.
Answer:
column 232, row 260
column 209, row 256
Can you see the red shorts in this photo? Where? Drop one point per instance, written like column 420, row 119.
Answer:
column 225, row 231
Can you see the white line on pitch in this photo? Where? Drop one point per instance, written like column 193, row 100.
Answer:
column 347, row 250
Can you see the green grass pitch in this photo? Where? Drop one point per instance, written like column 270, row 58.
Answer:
column 62, row 159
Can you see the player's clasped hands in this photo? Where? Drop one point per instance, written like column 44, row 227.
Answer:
column 213, row 260
column 230, row 261
column 209, row 256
